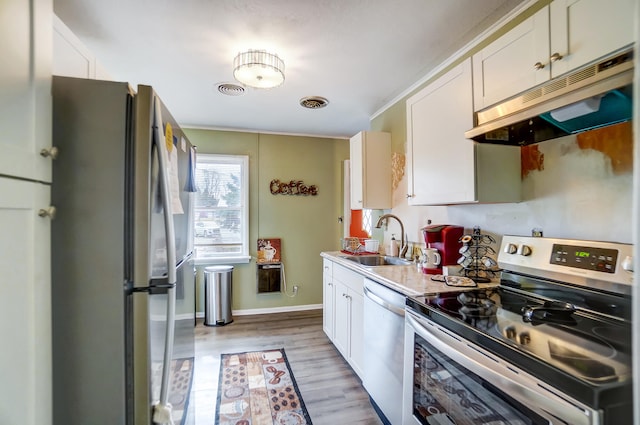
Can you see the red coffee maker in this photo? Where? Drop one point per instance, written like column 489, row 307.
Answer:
column 446, row 239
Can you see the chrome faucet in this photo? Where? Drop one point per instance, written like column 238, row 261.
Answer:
column 386, row 217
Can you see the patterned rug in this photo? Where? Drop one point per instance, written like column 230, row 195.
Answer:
column 258, row 388
column 179, row 387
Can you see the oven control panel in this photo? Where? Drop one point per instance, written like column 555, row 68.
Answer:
column 605, row 265
column 585, row 257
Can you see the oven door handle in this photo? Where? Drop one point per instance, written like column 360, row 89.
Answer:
column 382, row 303
column 537, row 396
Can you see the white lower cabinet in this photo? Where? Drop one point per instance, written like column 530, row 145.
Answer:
column 343, row 304
column 25, row 303
column 328, row 298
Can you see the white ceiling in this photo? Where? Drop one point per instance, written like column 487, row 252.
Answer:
column 359, row 54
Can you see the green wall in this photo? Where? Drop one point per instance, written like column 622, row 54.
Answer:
column 306, row 225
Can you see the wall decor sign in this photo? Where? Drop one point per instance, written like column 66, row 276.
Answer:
column 269, row 250
column 294, row 187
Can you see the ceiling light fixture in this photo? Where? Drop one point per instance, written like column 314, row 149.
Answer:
column 259, row 69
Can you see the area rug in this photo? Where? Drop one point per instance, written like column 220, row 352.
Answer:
column 179, row 387
column 258, row 388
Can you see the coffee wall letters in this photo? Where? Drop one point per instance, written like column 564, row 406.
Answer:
column 293, row 187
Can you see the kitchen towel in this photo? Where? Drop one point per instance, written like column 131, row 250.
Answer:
column 258, row 388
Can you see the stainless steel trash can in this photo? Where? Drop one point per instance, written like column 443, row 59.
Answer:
column 217, row 295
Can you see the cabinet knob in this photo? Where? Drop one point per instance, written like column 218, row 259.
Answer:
column 556, row 57
column 52, row 152
column 48, row 212
column 538, row 65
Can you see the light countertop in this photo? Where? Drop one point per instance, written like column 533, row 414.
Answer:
column 407, row 280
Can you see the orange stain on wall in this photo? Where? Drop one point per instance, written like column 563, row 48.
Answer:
column 615, row 141
column 531, row 159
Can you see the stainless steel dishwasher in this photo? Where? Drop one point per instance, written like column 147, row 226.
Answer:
column 384, row 349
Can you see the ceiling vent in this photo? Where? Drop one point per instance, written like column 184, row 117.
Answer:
column 230, row 89
column 313, row 102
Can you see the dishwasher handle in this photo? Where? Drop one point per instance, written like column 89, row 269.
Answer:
column 382, row 303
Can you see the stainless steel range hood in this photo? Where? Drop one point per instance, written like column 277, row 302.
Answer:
column 593, row 96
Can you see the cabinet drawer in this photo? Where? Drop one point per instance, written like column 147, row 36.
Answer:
column 351, row 279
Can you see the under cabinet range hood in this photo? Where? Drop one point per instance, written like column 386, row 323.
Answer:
column 593, row 96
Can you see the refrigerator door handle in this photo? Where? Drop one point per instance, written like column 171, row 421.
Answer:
column 162, row 410
column 163, row 282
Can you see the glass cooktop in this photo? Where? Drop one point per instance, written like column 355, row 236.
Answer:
column 580, row 341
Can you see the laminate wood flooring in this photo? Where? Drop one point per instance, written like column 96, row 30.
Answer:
column 332, row 392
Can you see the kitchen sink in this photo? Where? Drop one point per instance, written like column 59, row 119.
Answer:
column 378, row 260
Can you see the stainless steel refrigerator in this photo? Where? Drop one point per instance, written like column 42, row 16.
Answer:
column 123, row 296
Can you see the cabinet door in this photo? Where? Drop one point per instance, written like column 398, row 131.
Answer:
column 585, row 30
column 342, row 316
column 328, row 299
column 357, row 333
column 25, row 88
column 25, row 304
column 70, row 57
column 441, row 162
column 357, row 173
column 370, row 155
column 507, row 66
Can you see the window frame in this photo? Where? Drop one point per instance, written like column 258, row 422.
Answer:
column 227, row 258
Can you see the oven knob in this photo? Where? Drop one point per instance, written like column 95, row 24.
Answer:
column 525, row 338
column 524, row 250
column 510, row 332
column 627, row 263
column 510, row 248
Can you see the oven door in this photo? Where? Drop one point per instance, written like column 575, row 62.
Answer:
column 449, row 381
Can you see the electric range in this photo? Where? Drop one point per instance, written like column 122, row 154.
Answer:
column 561, row 317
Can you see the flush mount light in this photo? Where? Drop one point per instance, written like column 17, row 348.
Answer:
column 258, row 69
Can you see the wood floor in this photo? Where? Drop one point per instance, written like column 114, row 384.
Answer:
column 330, row 389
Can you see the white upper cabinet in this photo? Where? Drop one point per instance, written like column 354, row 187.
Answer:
column 25, row 88
column 585, row 30
column 370, row 157
column 71, row 58
column 507, row 66
column 558, row 38
column 442, row 166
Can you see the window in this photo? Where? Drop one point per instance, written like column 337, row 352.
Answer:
column 221, row 207
column 367, row 224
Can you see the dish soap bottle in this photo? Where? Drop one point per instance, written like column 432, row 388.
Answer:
column 393, row 246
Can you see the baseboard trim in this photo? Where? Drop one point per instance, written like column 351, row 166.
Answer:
column 285, row 309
